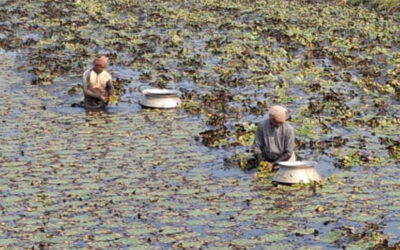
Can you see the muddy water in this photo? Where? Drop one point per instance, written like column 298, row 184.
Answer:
column 133, row 177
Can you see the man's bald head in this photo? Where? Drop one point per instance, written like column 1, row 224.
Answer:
column 277, row 115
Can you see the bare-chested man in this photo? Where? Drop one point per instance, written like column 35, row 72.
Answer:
column 97, row 84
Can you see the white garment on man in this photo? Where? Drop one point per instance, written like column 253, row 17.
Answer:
column 93, row 81
column 98, row 83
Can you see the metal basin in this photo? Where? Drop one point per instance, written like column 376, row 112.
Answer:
column 291, row 172
column 161, row 98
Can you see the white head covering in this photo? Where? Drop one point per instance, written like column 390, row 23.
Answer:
column 278, row 113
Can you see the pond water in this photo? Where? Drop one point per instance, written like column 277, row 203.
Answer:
column 140, row 178
column 137, row 177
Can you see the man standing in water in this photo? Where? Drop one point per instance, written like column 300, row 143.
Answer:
column 97, row 84
column 274, row 139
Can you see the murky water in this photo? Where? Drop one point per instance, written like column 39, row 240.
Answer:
column 136, row 177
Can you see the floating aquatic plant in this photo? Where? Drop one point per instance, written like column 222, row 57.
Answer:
column 138, row 178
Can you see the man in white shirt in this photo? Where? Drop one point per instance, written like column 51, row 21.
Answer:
column 97, row 84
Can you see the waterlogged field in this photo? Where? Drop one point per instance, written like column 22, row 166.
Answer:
column 136, row 178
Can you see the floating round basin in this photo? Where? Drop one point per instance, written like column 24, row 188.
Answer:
column 161, row 98
column 291, row 172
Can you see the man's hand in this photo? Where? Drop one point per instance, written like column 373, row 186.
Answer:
column 104, row 98
column 275, row 165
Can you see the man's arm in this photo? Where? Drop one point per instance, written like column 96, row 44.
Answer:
column 257, row 148
column 93, row 94
column 284, row 157
column 110, row 88
column 288, row 147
